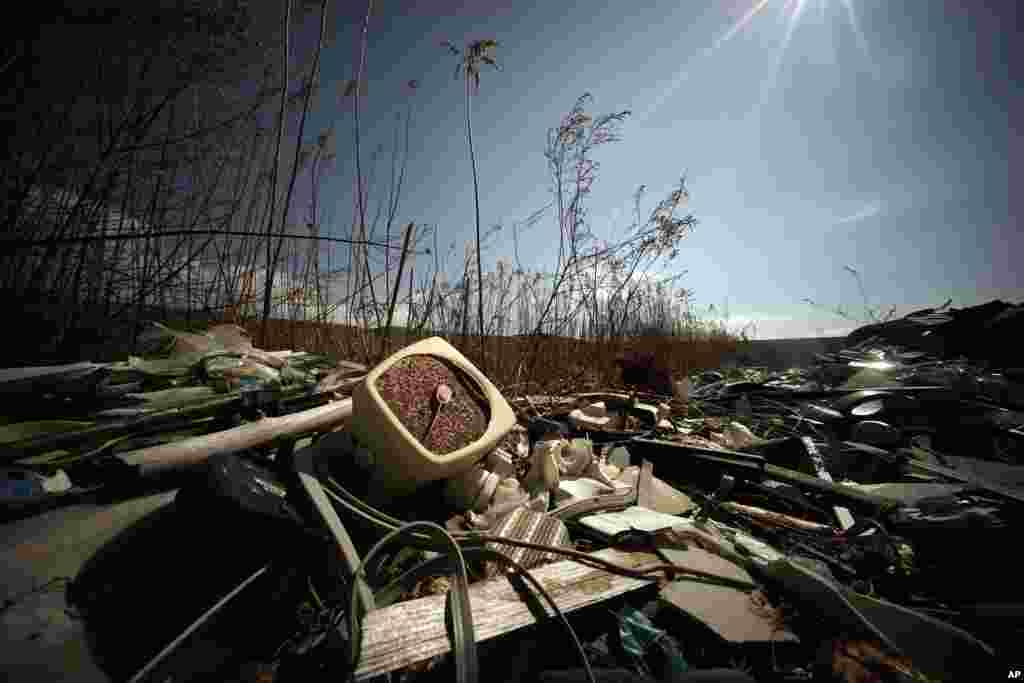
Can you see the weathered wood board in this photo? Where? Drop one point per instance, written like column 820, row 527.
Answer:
column 413, row 631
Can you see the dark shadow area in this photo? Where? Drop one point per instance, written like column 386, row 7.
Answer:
column 146, row 586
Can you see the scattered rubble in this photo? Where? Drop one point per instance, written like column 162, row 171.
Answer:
column 834, row 522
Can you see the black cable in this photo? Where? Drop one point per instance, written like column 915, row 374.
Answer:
column 464, row 645
column 442, row 565
column 612, row 568
column 554, row 606
column 203, row 618
column 370, row 514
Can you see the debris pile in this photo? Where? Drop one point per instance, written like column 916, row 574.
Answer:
column 848, row 521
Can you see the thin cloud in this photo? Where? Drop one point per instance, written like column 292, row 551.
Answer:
column 868, row 211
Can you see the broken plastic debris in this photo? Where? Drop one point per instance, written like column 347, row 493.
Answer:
column 575, row 459
column 472, row 490
column 619, row 456
column 633, row 518
column 500, row 462
column 583, row 488
column 58, row 483
column 591, row 416
column 545, row 472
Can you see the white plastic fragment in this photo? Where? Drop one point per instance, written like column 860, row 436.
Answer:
column 591, row 416
column 472, row 490
column 545, row 473
column 575, row 459
column 58, row 483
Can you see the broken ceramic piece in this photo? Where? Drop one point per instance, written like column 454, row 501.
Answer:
column 472, row 490
column 544, row 471
column 591, row 416
column 576, row 458
column 619, row 456
column 582, row 488
column 500, row 462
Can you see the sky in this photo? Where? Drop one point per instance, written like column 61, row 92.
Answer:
column 815, row 135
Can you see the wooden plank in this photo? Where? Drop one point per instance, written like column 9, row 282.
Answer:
column 410, row 632
column 196, row 450
column 777, row 518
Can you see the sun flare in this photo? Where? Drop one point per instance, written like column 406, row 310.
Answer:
column 793, row 11
column 790, row 12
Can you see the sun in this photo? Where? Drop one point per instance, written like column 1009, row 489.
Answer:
column 793, row 11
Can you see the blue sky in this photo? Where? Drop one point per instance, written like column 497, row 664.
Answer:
column 882, row 143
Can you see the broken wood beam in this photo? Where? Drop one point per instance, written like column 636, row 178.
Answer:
column 408, row 632
column 777, row 518
column 197, row 450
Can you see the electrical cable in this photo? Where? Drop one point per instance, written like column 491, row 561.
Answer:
column 612, row 568
column 464, row 639
column 370, row 514
column 519, row 569
column 444, row 564
column 316, row 493
column 368, row 509
column 173, row 645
